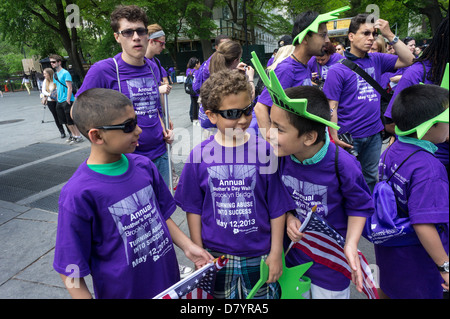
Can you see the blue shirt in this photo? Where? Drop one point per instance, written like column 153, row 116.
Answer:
column 61, row 85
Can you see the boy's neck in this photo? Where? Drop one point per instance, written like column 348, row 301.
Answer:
column 132, row 61
column 227, row 141
column 309, row 152
column 98, row 157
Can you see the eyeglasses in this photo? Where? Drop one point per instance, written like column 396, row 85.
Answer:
column 127, row 33
column 53, row 62
column 234, row 114
column 368, row 33
column 127, row 127
column 162, row 43
column 323, row 35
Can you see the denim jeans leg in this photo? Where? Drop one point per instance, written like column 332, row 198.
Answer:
column 369, row 150
column 162, row 164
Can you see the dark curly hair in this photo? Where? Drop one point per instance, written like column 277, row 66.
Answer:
column 221, row 84
column 131, row 13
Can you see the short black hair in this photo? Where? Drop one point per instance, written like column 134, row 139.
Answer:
column 356, row 21
column 98, row 107
column 302, row 21
column 417, row 104
column 317, row 105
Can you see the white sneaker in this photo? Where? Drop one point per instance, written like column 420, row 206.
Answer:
column 185, row 271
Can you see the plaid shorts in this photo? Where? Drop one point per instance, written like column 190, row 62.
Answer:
column 239, row 276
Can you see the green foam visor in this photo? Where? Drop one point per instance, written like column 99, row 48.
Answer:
column 444, row 83
column 279, row 97
column 423, row 128
column 321, row 18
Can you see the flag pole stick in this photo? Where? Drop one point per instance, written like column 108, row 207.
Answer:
column 169, row 152
column 292, row 242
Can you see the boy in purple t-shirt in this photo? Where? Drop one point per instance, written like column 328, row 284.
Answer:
column 114, row 213
column 234, row 199
column 420, row 185
column 308, row 169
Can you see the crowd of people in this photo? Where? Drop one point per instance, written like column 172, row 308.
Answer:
column 270, row 155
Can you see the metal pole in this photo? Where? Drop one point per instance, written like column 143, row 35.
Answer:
column 169, row 151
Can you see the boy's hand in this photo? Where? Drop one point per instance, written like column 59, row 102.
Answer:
column 199, row 256
column 168, row 136
column 351, row 253
column 275, row 267
column 292, row 226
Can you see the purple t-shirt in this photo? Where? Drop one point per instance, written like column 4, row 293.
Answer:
column 359, row 103
column 114, row 228
column 237, row 191
column 140, row 85
column 290, row 73
column 312, row 64
column 317, row 184
column 414, row 75
column 421, row 186
column 201, row 76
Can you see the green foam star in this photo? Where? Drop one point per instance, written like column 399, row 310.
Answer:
column 444, row 83
column 321, row 18
column 291, row 286
column 279, row 97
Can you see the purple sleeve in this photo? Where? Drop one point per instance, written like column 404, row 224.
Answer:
column 334, row 84
column 358, row 200
column 94, row 78
column 73, row 237
column 189, row 196
column 286, row 81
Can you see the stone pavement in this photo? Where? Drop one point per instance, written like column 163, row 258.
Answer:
column 35, row 163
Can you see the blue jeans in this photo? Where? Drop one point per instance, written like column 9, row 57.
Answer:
column 162, row 164
column 369, row 151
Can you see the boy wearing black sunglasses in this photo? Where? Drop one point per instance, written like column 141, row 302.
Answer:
column 235, row 204
column 114, row 218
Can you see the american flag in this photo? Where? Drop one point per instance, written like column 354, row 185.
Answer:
column 198, row 285
column 325, row 245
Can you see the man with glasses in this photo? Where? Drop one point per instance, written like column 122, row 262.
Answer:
column 355, row 104
column 63, row 82
column 132, row 74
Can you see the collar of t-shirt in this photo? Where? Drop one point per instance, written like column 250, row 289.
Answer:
column 318, row 156
column 111, row 169
column 353, row 57
column 426, row 145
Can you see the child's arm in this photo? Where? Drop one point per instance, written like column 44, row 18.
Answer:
column 196, row 254
column 274, row 259
column 78, row 290
column 293, row 225
column 195, row 228
column 354, row 230
column 431, row 241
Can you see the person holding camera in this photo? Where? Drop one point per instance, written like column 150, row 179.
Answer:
column 354, row 103
column 320, row 65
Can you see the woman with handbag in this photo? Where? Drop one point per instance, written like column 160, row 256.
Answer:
column 49, row 98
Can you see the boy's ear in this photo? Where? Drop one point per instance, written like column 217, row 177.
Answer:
column 211, row 116
column 310, row 138
column 95, row 136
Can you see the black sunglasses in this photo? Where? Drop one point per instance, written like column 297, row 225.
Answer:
column 367, row 33
column 127, row 127
column 234, row 114
column 130, row 32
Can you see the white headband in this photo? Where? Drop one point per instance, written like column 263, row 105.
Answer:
column 157, row 34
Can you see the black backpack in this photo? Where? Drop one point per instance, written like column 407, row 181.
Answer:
column 188, row 84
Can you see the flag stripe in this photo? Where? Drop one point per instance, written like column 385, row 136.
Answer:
column 324, row 245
